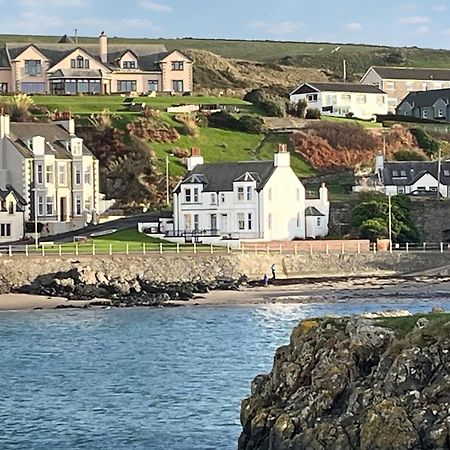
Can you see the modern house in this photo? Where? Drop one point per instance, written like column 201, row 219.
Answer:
column 431, row 105
column 12, row 208
column 251, row 200
column 70, row 68
column 52, row 170
column 342, row 99
column 398, row 82
column 418, row 178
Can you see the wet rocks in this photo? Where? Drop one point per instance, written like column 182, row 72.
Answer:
column 86, row 284
column 380, row 383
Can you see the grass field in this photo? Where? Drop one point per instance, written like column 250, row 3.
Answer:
column 363, row 123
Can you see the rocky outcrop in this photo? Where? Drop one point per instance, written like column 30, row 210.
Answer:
column 357, row 383
column 86, row 284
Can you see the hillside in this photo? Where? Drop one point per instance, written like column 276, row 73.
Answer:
column 299, row 54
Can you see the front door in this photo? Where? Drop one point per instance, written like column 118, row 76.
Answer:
column 224, row 223
column 213, row 223
column 63, row 209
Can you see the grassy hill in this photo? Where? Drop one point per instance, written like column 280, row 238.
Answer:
column 298, row 54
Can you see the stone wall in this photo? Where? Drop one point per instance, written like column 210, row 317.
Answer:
column 432, row 218
column 22, row 270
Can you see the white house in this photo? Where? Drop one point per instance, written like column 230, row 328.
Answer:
column 12, row 207
column 342, row 99
column 418, row 178
column 251, row 200
column 52, row 170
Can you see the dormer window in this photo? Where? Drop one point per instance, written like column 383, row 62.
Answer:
column 240, row 194
column 129, row 64
column 446, row 173
column 177, row 65
column 395, row 174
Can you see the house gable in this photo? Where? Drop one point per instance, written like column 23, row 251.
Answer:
column 29, row 52
column 175, row 55
column 66, row 62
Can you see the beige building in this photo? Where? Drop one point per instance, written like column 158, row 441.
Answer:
column 69, row 68
column 52, row 170
column 398, row 82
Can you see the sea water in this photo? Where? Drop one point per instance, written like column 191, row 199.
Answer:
column 169, row 379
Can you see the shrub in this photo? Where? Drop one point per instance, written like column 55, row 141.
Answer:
column 252, row 124
column 426, row 141
column 273, row 105
column 313, row 113
column 406, row 154
column 151, row 129
column 298, row 109
column 224, row 120
column 190, row 127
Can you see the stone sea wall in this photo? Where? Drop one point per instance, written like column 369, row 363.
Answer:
column 176, row 268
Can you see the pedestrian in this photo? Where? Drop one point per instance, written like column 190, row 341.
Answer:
column 273, row 269
column 265, row 280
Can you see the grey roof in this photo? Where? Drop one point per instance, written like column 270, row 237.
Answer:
column 4, row 60
column 8, row 190
column 405, row 173
column 411, row 73
column 219, row 177
column 312, row 211
column 77, row 73
column 148, row 54
column 65, row 40
column 54, row 134
column 338, row 87
column 426, row 98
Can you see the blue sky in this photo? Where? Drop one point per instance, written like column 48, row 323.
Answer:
column 393, row 22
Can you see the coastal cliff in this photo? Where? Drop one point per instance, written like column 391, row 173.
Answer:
column 355, row 383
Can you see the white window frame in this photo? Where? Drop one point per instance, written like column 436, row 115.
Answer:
column 241, row 221
column 49, row 202
column 249, row 193
column 62, row 174
column 240, row 194
column 39, row 173
column 40, row 205
column 87, row 175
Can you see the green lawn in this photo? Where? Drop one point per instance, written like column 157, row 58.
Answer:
column 363, row 123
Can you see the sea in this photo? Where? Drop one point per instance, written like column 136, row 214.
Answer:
column 159, row 379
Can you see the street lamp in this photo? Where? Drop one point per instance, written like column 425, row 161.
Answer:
column 390, row 222
column 167, row 179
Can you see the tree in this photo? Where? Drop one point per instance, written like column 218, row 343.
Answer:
column 426, row 142
column 406, row 154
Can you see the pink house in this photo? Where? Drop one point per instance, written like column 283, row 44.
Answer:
column 68, row 68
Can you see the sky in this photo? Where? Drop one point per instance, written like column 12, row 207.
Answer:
column 422, row 23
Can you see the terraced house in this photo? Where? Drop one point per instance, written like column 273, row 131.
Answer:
column 49, row 167
column 68, row 68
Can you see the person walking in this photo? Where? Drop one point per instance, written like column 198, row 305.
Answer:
column 273, row 269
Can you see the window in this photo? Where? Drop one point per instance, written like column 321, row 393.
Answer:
column 49, row 174
column 40, row 205
column 40, row 174
column 403, row 173
column 32, row 88
column 390, row 86
column 270, row 221
column 424, row 113
column 153, row 86
column 446, row 173
column 331, row 99
column 77, row 205
column 86, row 64
column 360, row 99
column 241, row 221
column 129, row 65
column 319, row 221
column 187, row 221
column 187, row 196
column 33, row 67
column 5, row 229
column 62, row 175
column 196, row 221
column 240, row 194
column 249, row 193
column 222, row 198
column 87, row 203
column 213, row 199
column 196, row 197
column 49, row 206
column 395, row 174
column 11, row 208
column 78, row 175
column 440, row 112
column 249, row 221
column 177, row 65
column 73, row 63
column 401, row 190
column 3, row 88
column 177, row 85
column 80, row 62
column 381, row 100
column 346, row 98
column 311, row 97
column 126, row 85
column 87, row 175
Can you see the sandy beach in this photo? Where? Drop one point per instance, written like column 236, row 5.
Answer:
column 329, row 291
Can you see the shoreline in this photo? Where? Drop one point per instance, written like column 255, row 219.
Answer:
column 329, row 291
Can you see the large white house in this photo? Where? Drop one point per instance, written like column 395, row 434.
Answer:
column 52, row 170
column 342, row 99
column 251, row 200
column 12, row 207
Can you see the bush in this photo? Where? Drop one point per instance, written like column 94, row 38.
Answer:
column 190, row 126
column 273, row 105
column 407, row 154
column 251, row 124
column 425, row 141
column 298, row 109
column 313, row 113
column 247, row 124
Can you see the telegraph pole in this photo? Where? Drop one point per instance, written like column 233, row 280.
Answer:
column 439, row 173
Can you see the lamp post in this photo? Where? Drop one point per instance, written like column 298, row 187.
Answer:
column 439, row 173
column 390, row 222
column 167, row 180
column 36, row 234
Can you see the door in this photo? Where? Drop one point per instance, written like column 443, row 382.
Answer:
column 63, row 209
column 224, row 223
column 213, row 226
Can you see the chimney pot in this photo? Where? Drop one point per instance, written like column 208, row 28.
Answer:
column 196, row 151
column 282, row 148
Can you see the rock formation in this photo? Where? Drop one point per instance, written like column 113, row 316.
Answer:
column 381, row 383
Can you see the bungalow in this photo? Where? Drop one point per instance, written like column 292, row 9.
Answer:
column 12, row 208
column 430, row 105
column 342, row 99
column 251, row 200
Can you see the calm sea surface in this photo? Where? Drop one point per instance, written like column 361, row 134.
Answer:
column 167, row 379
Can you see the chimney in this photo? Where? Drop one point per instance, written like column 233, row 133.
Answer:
column 103, row 42
column 4, row 125
column 282, row 158
column 323, row 194
column 38, row 145
column 379, row 164
column 196, row 159
column 66, row 120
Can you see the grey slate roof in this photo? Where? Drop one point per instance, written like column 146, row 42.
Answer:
column 219, row 177
column 410, row 73
column 312, row 211
column 20, row 200
column 55, row 136
column 4, row 60
column 338, row 87
column 405, row 173
column 148, row 54
column 77, row 73
column 426, row 98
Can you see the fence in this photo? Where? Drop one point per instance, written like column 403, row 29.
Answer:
column 273, row 248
